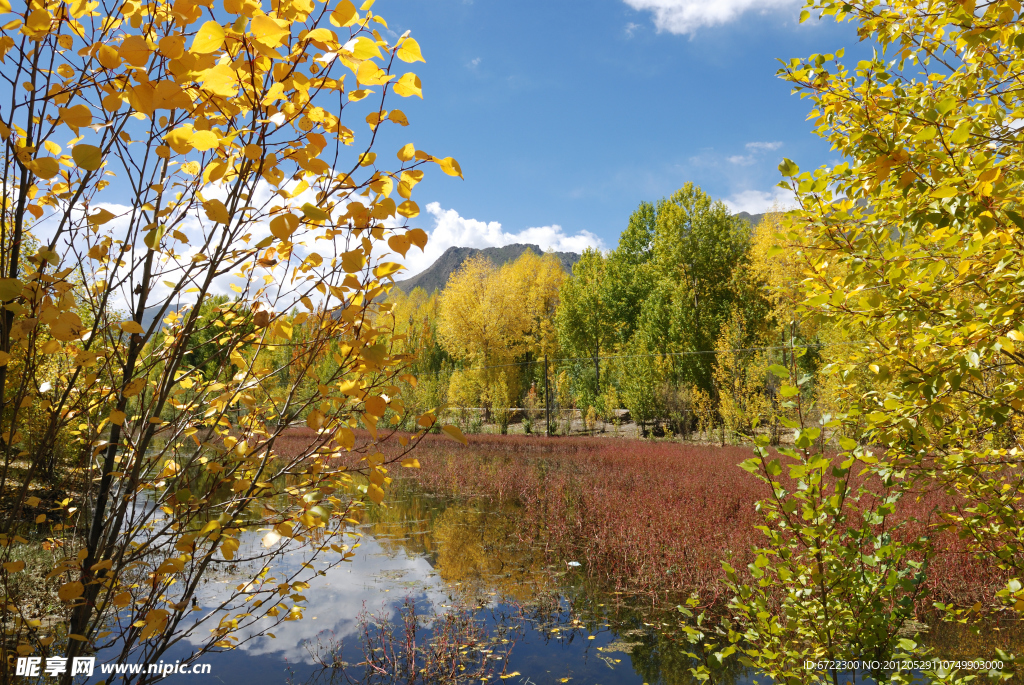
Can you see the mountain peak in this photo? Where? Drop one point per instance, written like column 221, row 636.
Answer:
column 436, row 276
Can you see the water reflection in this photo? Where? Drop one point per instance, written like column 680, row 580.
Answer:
column 481, row 600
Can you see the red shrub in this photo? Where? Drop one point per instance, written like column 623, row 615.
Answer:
column 650, row 517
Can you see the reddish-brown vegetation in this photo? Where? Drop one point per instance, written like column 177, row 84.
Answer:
column 652, row 517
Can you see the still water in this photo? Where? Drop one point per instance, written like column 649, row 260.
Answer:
column 444, row 591
column 449, row 583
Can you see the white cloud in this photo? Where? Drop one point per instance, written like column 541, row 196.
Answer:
column 742, row 160
column 686, row 16
column 451, row 229
column 474, row 63
column 759, row 201
column 631, row 29
column 762, row 147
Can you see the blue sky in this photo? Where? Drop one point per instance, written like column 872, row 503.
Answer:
column 565, row 114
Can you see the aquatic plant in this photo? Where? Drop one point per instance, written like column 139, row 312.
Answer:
column 653, row 518
column 658, row 517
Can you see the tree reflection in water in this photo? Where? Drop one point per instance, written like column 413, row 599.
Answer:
column 461, row 644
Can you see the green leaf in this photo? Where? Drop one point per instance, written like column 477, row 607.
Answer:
column 313, row 212
column 153, row 237
column 789, row 167
column 1014, row 216
column 926, row 133
column 961, row 134
column 779, row 371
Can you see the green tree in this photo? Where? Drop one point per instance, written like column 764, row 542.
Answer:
column 585, row 324
column 627, row 281
column 700, row 253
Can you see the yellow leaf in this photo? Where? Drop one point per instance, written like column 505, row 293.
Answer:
column 70, row 591
column 376, row 406
column 352, row 261
column 134, row 50
column 387, row 268
column 409, row 51
column 418, row 237
column 10, row 288
column 122, row 600
column 204, row 140
column 14, row 566
column 87, row 157
column 450, row 167
column 220, row 80
column 943, row 192
column 67, row 326
column 38, row 21
column 409, row 209
column 370, row 74
column 76, row 117
column 108, row 57
column 454, row 433
column 344, row 14
column 179, row 139
column 41, row 518
column 398, row 116
column 268, row 31
column 375, row 493
column 364, row 48
column 132, row 327
column 101, row 217
column 209, row 38
column 44, row 167
column 4, row 358
column 156, row 620
column 282, row 226
column 409, row 85
column 411, row 463
column 399, row 243
column 216, row 211
column 172, row 47
column 135, row 387
column 228, row 548
column 33, row 501
column 117, row 417
column 283, row 328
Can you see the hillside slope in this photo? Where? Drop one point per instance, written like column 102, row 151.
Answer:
column 435, row 277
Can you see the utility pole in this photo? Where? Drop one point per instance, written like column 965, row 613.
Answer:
column 547, row 400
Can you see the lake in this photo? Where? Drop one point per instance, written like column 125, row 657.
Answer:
column 443, row 590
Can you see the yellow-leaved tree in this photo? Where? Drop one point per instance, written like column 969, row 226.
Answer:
column 156, row 154
column 490, row 317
